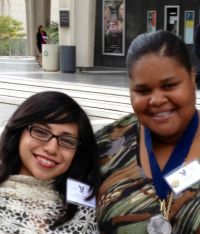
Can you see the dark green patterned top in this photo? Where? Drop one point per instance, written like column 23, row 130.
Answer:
column 127, row 198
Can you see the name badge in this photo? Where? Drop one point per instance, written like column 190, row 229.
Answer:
column 183, row 177
column 77, row 192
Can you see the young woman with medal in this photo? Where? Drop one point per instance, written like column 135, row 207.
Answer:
column 149, row 159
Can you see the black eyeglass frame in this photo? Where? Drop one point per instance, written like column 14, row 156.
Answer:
column 51, row 135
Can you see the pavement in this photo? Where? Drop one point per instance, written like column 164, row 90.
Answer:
column 27, row 68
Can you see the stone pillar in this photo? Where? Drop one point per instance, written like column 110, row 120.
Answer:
column 37, row 12
column 42, row 12
column 85, row 32
column 67, row 34
column 30, row 27
column 81, row 31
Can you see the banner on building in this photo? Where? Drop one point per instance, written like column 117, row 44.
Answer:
column 113, row 35
column 189, row 27
column 151, row 21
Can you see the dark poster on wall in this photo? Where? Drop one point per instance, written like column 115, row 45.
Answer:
column 113, row 34
column 64, row 18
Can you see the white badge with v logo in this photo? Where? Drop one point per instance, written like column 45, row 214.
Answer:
column 77, row 192
column 183, row 177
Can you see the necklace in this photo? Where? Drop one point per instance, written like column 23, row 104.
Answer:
column 160, row 223
column 165, row 208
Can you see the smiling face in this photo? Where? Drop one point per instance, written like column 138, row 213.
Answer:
column 46, row 160
column 162, row 95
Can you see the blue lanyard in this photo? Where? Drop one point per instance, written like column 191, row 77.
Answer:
column 176, row 158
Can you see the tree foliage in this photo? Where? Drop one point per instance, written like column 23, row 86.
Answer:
column 10, row 28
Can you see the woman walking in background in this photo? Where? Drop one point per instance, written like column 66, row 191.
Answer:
column 41, row 38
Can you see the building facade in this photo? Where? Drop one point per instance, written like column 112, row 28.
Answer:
column 117, row 23
column 120, row 21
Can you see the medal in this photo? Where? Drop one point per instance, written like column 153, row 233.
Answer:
column 159, row 224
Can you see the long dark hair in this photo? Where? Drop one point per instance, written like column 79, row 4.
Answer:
column 162, row 43
column 39, row 27
column 52, row 107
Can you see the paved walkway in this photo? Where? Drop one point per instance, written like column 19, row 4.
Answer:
column 28, row 68
column 26, row 71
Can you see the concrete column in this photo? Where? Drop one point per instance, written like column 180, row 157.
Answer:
column 30, row 27
column 42, row 12
column 67, row 34
column 81, row 30
column 37, row 12
column 85, row 32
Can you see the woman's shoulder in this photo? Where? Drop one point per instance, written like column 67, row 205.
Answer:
column 118, row 144
column 28, row 187
column 123, row 124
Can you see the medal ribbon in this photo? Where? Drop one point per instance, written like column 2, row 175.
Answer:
column 176, row 158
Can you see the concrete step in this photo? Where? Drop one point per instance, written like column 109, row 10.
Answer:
column 63, row 85
column 103, row 104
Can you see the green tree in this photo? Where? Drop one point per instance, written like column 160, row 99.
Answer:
column 11, row 36
column 10, row 28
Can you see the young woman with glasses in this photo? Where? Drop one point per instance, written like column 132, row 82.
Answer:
column 48, row 140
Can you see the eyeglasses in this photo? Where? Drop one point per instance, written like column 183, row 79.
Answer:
column 44, row 135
